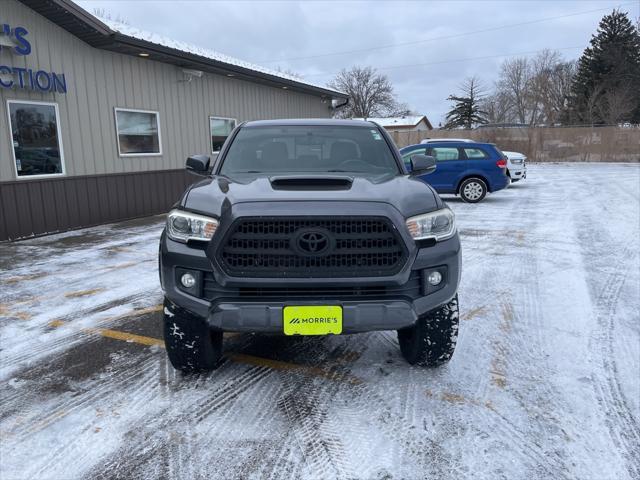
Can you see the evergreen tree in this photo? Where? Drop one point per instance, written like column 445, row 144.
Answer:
column 606, row 88
column 466, row 111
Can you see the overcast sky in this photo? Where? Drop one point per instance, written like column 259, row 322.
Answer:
column 316, row 39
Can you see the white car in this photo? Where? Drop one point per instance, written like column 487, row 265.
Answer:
column 516, row 165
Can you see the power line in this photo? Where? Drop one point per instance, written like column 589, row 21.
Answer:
column 440, row 62
column 445, row 37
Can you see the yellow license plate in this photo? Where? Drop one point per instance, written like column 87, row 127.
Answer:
column 312, row 320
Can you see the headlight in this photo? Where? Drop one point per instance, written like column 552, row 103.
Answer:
column 184, row 226
column 439, row 225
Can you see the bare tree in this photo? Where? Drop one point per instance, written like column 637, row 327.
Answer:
column 559, row 90
column 549, row 87
column 540, row 80
column 497, row 107
column 534, row 91
column 514, row 83
column 370, row 94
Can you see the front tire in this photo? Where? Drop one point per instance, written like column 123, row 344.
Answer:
column 432, row 340
column 473, row 190
column 191, row 345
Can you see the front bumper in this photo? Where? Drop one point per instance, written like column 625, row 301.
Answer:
column 356, row 316
column 255, row 305
column 517, row 172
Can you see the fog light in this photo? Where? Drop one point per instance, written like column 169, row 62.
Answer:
column 434, row 278
column 189, row 280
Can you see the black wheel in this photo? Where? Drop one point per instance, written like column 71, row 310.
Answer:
column 191, row 345
column 432, row 340
column 472, row 190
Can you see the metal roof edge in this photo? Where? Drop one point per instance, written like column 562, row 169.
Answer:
column 97, row 34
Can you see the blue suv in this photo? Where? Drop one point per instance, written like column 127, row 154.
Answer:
column 465, row 168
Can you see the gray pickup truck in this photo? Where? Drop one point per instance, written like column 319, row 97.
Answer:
column 309, row 227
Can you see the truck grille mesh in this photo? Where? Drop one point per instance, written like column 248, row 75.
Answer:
column 265, row 247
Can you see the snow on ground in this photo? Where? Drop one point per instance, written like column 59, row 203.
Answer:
column 545, row 382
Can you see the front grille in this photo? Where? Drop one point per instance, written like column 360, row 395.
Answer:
column 410, row 290
column 269, row 247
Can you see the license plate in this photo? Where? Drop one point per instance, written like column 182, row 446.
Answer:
column 312, row 320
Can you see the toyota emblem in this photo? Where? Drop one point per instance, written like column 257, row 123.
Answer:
column 313, row 242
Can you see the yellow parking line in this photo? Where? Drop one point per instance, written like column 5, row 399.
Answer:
column 120, row 266
column 127, row 337
column 474, row 313
column 6, row 312
column 137, row 313
column 236, row 357
column 115, row 334
column 83, row 293
column 22, row 278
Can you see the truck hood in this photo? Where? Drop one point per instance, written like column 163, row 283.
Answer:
column 214, row 195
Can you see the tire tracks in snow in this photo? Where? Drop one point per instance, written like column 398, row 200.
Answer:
column 306, row 403
column 515, row 351
column 65, row 339
column 612, row 256
column 622, row 424
column 192, row 407
column 167, row 441
column 337, row 440
column 81, row 413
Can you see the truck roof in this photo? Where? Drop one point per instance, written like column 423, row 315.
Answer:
column 309, row 122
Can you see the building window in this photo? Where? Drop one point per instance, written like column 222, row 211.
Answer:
column 35, row 133
column 220, row 128
column 138, row 132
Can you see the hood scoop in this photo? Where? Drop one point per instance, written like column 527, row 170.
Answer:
column 311, row 182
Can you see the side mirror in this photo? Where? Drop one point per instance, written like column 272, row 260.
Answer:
column 198, row 164
column 422, row 164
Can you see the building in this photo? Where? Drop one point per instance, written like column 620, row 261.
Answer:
column 99, row 117
column 408, row 123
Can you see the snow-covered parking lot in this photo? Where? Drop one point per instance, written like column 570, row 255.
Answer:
column 545, row 382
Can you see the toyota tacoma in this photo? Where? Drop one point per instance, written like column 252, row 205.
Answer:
column 309, row 227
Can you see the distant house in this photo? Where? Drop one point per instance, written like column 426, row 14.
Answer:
column 408, row 123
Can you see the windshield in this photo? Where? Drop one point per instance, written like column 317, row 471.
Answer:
column 309, row 149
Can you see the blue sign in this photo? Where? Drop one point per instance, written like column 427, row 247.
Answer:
column 23, row 47
column 25, row 78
